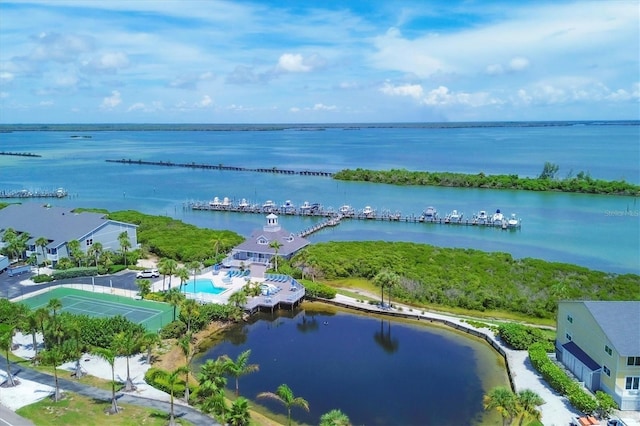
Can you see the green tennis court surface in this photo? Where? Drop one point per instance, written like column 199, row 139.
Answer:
column 152, row 315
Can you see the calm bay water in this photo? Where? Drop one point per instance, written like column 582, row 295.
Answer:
column 599, row 232
column 377, row 372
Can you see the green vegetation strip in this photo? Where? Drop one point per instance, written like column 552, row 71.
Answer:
column 151, row 322
column 465, row 278
column 581, row 182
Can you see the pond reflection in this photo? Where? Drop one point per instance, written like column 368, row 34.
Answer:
column 377, row 371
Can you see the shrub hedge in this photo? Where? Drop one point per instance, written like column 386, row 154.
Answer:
column 314, row 289
column 521, row 337
column 42, row 278
column 75, row 273
column 560, row 381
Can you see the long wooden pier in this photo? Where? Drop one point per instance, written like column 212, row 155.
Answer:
column 334, row 218
column 275, row 170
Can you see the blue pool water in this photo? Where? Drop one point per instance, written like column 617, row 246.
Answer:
column 203, row 285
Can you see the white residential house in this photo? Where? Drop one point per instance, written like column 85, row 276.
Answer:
column 59, row 225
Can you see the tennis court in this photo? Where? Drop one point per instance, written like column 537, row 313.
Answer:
column 152, row 315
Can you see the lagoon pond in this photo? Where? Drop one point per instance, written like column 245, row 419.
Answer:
column 378, row 372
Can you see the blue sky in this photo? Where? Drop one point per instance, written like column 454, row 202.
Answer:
column 293, row 61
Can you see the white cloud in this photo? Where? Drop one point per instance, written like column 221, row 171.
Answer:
column 412, row 90
column 518, row 64
column 59, row 47
column 46, row 103
column 108, row 62
column 205, row 102
column 295, row 62
column 6, row 77
column 112, row 101
column 141, row 106
column 323, row 107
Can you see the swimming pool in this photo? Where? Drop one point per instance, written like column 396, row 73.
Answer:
column 203, row 285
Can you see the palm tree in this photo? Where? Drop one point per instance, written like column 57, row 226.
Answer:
column 76, row 345
column 528, row 402
column 167, row 267
column 55, row 305
column 6, row 339
column 240, row 367
column 195, row 267
column 172, row 380
column 174, row 297
column 42, row 316
column 239, row 413
column 148, row 342
column 212, row 384
column 144, row 287
column 275, row 245
column 95, row 251
column 183, row 274
column 33, row 260
column 334, row 418
column 106, row 259
column 239, row 298
column 75, row 252
column 503, row 401
column 125, row 244
column 189, row 310
column 42, row 243
column 126, row 344
column 185, row 344
column 53, row 356
column 386, row 278
column 109, row 355
column 32, row 324
column 284, row 395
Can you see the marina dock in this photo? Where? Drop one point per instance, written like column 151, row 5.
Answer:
column 346, row 212
column 24, row 193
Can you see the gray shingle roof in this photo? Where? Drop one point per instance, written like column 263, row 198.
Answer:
column 620, row 321
column 57, row 224
column 288, row 247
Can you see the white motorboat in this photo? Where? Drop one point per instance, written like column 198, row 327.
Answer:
column 455, row 216
column 215, row 202
column 346, row 210
column 243, row 204
column 226, row 202
column 368, row 211
column 513, row 221
column 288, row 207
column 430, row 214
column 497, row 218
column 482, row 217
column 268, row 206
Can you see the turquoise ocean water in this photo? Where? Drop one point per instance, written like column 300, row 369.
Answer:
column 599, row 232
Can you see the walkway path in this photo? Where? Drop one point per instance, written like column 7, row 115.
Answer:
column 180, row 411
column 9, row 418
column 555, row 411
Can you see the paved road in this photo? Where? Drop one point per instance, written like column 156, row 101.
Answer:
column 11, row 288
column 9, row 418
column 180, row 411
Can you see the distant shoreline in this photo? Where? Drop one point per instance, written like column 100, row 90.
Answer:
column 222, row 127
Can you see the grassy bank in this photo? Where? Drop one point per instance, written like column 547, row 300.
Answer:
column 76, row 410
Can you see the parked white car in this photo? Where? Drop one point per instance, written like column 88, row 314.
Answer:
column 148, row 273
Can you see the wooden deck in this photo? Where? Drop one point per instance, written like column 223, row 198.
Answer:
column 289, row 295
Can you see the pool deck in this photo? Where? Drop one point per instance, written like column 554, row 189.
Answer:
column 286, row 292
